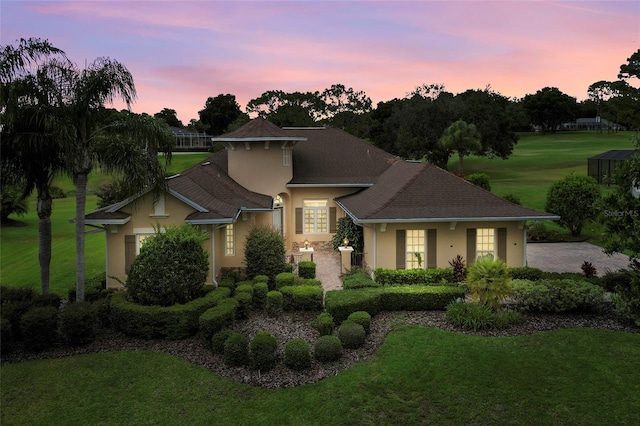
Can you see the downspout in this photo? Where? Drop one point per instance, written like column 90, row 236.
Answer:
column 524, row 245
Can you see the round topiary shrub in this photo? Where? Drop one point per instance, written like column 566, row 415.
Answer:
column 261, row 279
column 236, row 350
column 351, row 334
column 78, row 323
column 245, row 302
column 327, row 348
column 263, row 351
column 297, row 355
column 324, row 324
column 260, row 291
column 218, row 340
column 39, row 327
column 274, row 303
column 285, row 279
column 363, row 318
column 171, row 268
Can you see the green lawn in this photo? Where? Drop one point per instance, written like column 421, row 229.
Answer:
column 418, row 376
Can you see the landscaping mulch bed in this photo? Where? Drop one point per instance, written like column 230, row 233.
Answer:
column 297, row 325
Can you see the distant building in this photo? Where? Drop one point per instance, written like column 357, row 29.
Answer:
column 602, row 166
column 191, row 141
column 591, row 123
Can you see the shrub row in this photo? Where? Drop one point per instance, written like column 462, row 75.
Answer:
column 171, row 322
column 302, row 298
column 556, row 295
column 358, row 280
column 341, row 303
column 218, row 318
column 389, row 277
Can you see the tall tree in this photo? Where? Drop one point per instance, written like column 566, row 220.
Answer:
column 104, row 81
column 631, row 68
column 462, row 138
column 338, row 99
column 170, row 116
column 218, row 113
column 32, row 91
column 549, row 107
column 290, row 109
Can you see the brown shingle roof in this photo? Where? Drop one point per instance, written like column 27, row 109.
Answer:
column 334, row 157
column 258, row 128
column 206, row 186
column 411, row 191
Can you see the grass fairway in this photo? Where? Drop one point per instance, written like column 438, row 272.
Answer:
column 539, row 160
column 419, row 376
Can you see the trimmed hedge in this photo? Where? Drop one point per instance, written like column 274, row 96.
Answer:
column 556, row 295
column 245, row 287
column 39, row 327
column 263, row 351
column 78, row 323
column 307, row 269
column 274, row 303
column 342, row 303
column 297, row 355
column 327, row 348
column 351, row 334
column 363, row 318
column 389, row 277
column 217, row 318
column 245, row 302
column 358, row 280
column 525, row 273
column 260, row 290
column 161, row 322
column 284, row 279
column 302, row 298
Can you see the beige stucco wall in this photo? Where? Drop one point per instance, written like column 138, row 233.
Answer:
column 258, row 169
column 450, row 243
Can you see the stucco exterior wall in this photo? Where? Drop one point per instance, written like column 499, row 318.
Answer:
column 450, row 243
column 258, row 169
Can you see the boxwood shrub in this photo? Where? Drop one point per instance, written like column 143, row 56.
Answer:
column 284, row 279
column 162, row 322
column 363, row 318
column 263, row 351
column 525, row 273
column 302, row 298
column 260, row 279
column 39, row 327
column 78, row 323
column 217, row 318
column 245, row 287
column 297, row 355
column 228, row 282
column 274, row 303
column 245, row 302
column 236, row 350
column 324, row 324
column 437, row 276
column 556, row 295
column 260, row 290
column 358, row 280
column 307, row 269
column 351, row 334
column 218, row 339
column 327, row 348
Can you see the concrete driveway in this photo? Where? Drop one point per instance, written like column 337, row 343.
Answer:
column 568, row 257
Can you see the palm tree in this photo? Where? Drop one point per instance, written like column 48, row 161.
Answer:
column 31, row 151
column 463, row 138
column 128, row 145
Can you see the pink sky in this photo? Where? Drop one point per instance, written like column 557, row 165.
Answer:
column 181, row 53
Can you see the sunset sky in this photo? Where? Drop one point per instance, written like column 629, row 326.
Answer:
column 181, row 53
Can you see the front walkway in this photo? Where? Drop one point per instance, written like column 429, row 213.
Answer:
column 328, row 268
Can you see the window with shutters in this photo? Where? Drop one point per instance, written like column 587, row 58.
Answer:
column 316, row 216
column 415, row 244
column 485, row 242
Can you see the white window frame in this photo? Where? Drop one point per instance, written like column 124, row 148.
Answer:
column 142, row 234
column 315, row 216
column 486, row 242
column 230, row 240
column 286, row 156
column 415, row 242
